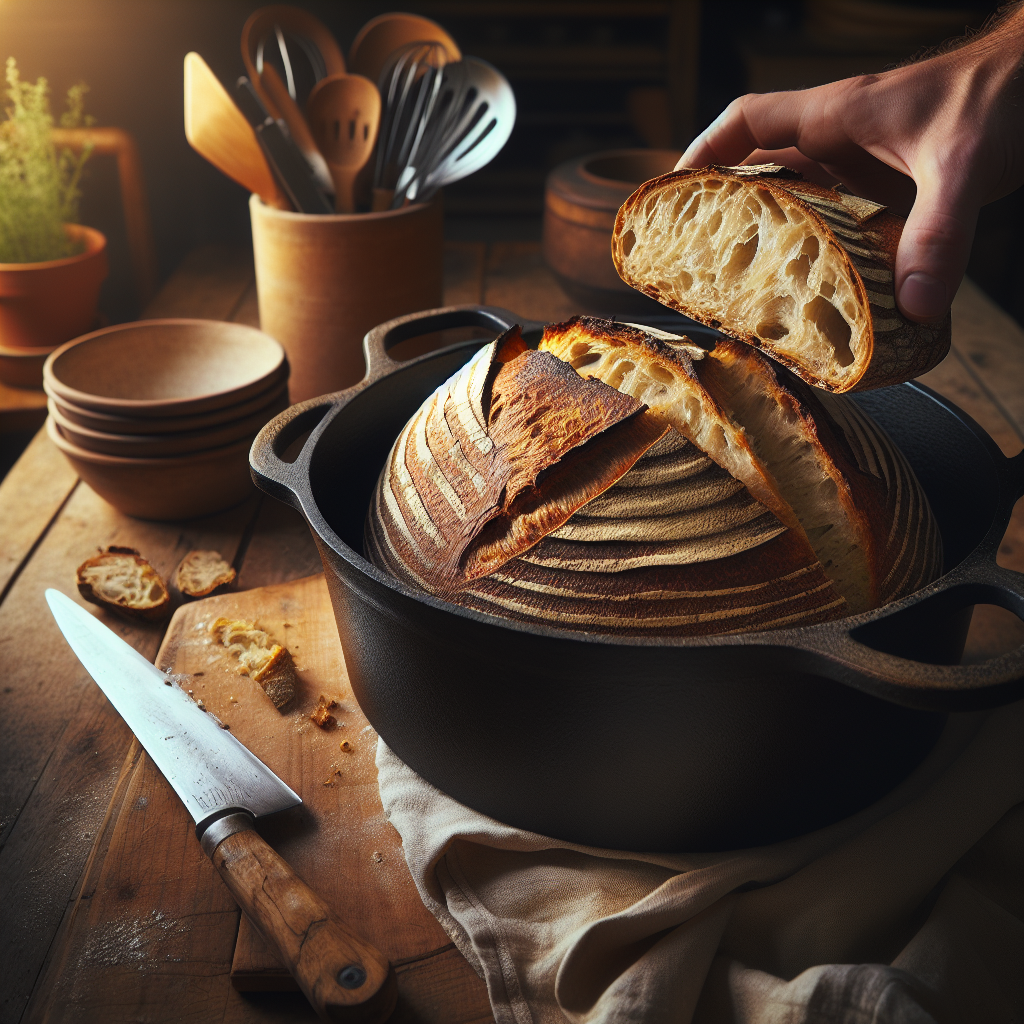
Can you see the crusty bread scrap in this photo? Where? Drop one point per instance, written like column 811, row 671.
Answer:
column 801, row 271
column 202, row 572
column 120, row 579
column 259, row 656
column 759, row 504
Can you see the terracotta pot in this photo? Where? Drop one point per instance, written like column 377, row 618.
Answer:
column 23, row 367
column 42, row 305
column 582, row 197
column 323, row 280
column 161, row 368
column 182, row 487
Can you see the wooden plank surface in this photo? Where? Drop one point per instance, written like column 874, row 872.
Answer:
column 71, row 781
column 160, row 895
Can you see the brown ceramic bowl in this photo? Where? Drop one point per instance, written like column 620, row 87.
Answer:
column 148, row 446
column 104, row 423
column 162, row 368
column 176, row 487
column 23, row 367
column 581, row 199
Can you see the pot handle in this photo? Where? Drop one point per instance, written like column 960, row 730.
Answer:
column 387, row 335
column 279, row 475
column 858, row 653
column 271, row 464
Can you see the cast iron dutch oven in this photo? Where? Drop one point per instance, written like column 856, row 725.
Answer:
column 638, row 743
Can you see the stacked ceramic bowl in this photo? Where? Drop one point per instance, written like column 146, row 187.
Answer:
column 158, row 416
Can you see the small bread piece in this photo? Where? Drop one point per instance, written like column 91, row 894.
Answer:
column 803, row 272
column 321, row 714
column 122, row 580
column 260, row 657
column 202, row 572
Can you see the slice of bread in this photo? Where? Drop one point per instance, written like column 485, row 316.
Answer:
column 821, row 456
column 801, row 271
column 202, row 572
column 259, row 656
column 120, row 579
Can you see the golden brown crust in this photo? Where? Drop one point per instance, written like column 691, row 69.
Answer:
column 120, row 579
column 874, row 344
column 500, row 455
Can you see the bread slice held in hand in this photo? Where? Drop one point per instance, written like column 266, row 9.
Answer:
column 202, row 572
column 121, row 580
column 260, row 657
column 803, row 272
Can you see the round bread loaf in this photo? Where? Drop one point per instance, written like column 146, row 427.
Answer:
column 620, row 480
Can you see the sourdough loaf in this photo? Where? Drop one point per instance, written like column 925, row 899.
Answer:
column 803, row 272
column 626, row 482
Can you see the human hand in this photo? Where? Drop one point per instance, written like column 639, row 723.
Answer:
column 939, row 139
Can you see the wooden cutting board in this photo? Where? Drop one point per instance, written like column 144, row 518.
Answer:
column 339, row 841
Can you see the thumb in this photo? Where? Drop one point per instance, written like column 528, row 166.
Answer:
column 934, row 250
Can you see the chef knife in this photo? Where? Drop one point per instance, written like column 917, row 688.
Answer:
column 297, row 178
column 225, row 788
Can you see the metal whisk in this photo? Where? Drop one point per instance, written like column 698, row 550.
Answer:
column 409, row 87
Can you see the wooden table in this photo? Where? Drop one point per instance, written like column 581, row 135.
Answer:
column 64, row 748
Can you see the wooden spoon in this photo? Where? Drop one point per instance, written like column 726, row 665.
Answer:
column 292, row 116
column 217, row 130
column 380, row 37
column 344, row 115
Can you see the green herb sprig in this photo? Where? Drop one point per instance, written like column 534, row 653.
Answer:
column 39, row 185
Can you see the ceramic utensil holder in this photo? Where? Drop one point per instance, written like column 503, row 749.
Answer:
column 323, row 280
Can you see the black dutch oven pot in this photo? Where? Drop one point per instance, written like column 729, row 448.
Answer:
column 652, row 744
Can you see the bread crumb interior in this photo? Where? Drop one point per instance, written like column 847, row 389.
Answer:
column 742, row 256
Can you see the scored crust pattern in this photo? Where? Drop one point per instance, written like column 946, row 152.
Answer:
column 801, row 271
column 626, row 481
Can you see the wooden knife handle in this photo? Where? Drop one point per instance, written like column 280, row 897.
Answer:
column 342, row 975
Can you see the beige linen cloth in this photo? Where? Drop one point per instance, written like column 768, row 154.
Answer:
column 909, row 912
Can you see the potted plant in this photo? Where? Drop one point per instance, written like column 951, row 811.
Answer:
column 51, row 267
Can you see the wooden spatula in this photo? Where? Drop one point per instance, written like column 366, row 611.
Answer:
column 344, row 115
column 217, row 130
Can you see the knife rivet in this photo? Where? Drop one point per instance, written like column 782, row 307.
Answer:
column 352, row 976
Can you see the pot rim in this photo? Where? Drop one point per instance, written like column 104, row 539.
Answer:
column 256, row 202
column 95, row 243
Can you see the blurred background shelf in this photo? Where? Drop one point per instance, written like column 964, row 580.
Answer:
column 588, row 75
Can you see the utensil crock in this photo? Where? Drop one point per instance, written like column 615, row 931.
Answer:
column 649, row 743
column 324, row 280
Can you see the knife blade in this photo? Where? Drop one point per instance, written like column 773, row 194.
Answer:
column 225, row 788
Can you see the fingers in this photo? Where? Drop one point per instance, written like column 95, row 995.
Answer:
column 770, row 121
column 934, row 250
